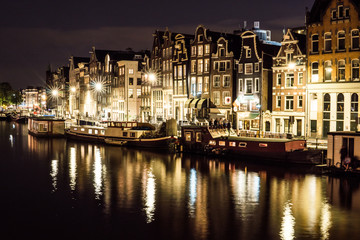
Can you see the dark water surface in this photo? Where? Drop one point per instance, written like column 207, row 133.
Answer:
column 59, row 189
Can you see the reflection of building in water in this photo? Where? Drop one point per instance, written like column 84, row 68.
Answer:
column 72, row 168
column 54, row 173
column 149, row 190
column 344, row 193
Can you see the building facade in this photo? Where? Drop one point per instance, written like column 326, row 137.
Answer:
column 333, row 53
column 289, row 85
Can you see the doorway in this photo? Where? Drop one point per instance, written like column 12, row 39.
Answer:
column 298, row 127
column 349, row 143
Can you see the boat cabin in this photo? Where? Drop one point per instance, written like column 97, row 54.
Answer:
column 336, row 140
column 46, row 126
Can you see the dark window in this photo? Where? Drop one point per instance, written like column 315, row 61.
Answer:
column 315, row 43
column 131, row 81
column 138, row 82
column 313, row 125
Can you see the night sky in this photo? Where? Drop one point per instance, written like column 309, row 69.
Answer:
column 37, row 33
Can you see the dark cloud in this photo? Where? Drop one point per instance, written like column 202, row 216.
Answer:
column 37, row 33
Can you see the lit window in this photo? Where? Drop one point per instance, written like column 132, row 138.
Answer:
column 315, row 72
column 216, row 81
column 198, row 137
column 248, row 83
column 289, row 80
column 327, row 71
column 131, row 71
column 212, row 142
column 226, row 81
column 278, row 101
column 200, row 50
column 232, row 144
column 278, row 79
column 222, row 143
column 300, row 78
column 248, row 68
column 207, row 48
column 341, row 70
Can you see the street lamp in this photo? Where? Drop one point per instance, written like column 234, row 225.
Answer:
column 55, row 94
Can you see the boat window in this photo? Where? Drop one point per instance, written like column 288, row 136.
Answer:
column 188, row 136
column 83, row 129
column 221, row 143
column 212, row 143
column 132, row 135
column 102, row 132
column 75, row 129
column 198, row 137
column 243, row 144
column 124, row 134
column 96, row 132
column 232, row 144
column 90, row 131
column 262, row 145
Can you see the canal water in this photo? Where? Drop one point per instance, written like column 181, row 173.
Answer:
column 59, row 189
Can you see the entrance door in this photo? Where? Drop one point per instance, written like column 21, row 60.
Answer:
column 349, row 143
column 299, row 127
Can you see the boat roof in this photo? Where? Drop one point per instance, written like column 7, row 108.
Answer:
column 254, row 139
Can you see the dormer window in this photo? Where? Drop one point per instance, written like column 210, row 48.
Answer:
column 222, row 52
column 340, row 11
column 200, row 38
column 248, row 53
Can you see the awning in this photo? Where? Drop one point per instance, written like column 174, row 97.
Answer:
column 193, row 103
column 253, row 115
column 201, row 103
column 187, row 103
column 247, row 115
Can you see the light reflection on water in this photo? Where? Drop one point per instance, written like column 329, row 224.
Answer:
column 188, row 196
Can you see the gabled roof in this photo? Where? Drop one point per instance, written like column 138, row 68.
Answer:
column 319, row 8
column 77, row 60
column 301, row 41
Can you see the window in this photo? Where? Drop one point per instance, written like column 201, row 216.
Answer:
column 289, row 80
column 240, row 70
column 131, row 93
column 206, row 84
column 315, row 72
column 327, row 42
column 207, row 49
column 193, row 66
column 200, row 66
column 221, row 52
column 327, row 71
column 216, row 81
column 200, row 50
column 222, row 67
column 327, row 106
column 131, row 81
column 278, row 79
column 289, row 57
column 333, row 14
column 341, row 70
column 226, row 81
column 216, row 98
column 188, row 136
column 180, row 71
column 248, row 83
column 226, row 97
column 300, row 101
column 131, row 71
column 138, row 81
column 315, row 43
column 355, row 70
column 248, row 53
column 278, row 101
column 241, row 84
column 289, row 102
column 355, row 39
column 200, row 38
column 193, row 86
column 340, row 113
column 354, row 111
column 193, row 51
column 256, row 67
column 341, row 40
column 199, row 88
column 300, row 78
column 138, row 92
column 248, row 68
column 206, row 65
column 257, row 87
column 340, row 11
column 198, row 137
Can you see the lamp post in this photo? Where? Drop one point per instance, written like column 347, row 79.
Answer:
column 98, row 86
column 55, row 94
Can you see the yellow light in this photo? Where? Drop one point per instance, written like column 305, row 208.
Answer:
column 98, row 86
column 73, row 89
column 328, row 69
column 55, row 92
column 292, row 65
column 152, row 77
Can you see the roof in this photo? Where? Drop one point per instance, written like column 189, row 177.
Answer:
column 319, row 8
column 117, row 55
column 78, row 60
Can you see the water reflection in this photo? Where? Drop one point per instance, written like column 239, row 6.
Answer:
column 325, row 221
column 11, row 139
column 72, row 168
column 99, row 173
column 288, row 223
column 149, row 195
column 192, row 192
column 54, row 174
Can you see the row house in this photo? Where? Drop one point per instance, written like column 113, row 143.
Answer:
column 202, row 46
column 223, row 75
column 289, row 85
column 181, row 74
column 34, row 99
column 58, row 90
column 254, row 82
column 333, row 53
column 79, row 86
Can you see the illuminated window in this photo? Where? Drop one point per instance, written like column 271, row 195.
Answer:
column 278, row 79
column 263, row 145
column 207, row 48
column 327, row 71
column 96, row 132
column 278, row 101
column 300, row 78
column 248, row 68
column 200, row 50
column 83, row 129
column 232, row 144
column 315, row 72
column 341, row 70
column 222, row 143
column 216, row 81
column 188, row 136
column 289, row 80
column 243, row 144
column 212, row 142
column 131, row 71
column 226, row 81
column 198, row 137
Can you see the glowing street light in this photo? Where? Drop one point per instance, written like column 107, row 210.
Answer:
column 55, row 92
column 73, row 89
column 152, row 77
column 98, row 87
column 292, row 65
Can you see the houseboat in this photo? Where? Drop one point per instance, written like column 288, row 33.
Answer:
column 346, row 144
column 4, row 116
column 46, row 127
column 131, row 134
column 202, row 139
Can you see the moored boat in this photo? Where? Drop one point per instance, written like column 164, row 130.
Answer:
column 46, row 127
column 201, row 139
